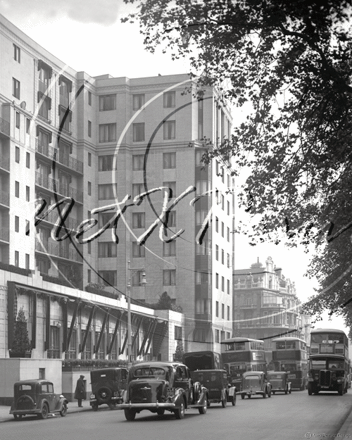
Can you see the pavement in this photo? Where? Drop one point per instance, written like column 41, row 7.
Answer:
column 72, row 407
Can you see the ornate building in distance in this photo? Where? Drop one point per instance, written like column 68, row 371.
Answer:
column 88, row 161
column 266, row 305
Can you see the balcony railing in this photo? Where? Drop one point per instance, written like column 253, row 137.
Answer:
column 4, row 234
column 4, row 127
column 55, row 185
column 5, row 164
column 58, row 250
column 70, row 222
column 4, row 198
column 54, row 154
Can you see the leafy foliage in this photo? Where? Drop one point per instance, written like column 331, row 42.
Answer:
column 178, row 355
column 289, row 63
column 20, row 342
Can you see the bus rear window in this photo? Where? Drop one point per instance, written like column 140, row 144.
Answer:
column 316, row 365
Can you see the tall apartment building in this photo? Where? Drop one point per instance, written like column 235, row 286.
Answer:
column 266, row 305
column 97, row 172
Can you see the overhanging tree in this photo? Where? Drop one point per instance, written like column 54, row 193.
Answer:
column 290, row 63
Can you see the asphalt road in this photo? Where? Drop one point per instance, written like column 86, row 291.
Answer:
column 293, row 416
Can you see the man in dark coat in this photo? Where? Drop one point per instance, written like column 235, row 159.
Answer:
column 80, row 392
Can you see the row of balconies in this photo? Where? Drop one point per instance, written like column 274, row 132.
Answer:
column 5, row 164
column 54, row 154
column 70, row 222
column 54, row 185
column 58, row 250
column 262, row 324
column 4, row 198
column 4, row 127
column 5, row 234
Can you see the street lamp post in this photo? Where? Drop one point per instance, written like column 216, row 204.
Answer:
column 129, row 320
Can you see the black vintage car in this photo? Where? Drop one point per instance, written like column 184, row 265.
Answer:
column 279, row 381
column 37, row 397
column 108, row 385
column 160, row 386
column 217, row 384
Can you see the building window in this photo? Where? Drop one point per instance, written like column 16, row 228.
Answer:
column 217, row 252
column 169, row 130
column 16, row 53
column 216, row 224
column 89, row 159
column 27, row 261
column 169, row 249
column 138, row 101
column 169, row 277
column 137, row 162
column 228, row 313
column 89, row 129
column 89, row 247
column 27, row 230
column 89, row 98
column 222, row 202
column 137, row 278
column 28, row 125
column 138, row 132
column 99, row 351
column 171, row 220
column 65, row 117
column 107, row 249
column 17, row 224
column 169, row 160
column 169, row 99
column 172, row 189
column 222, row 256
column 16, row 88
column 223, row 284
column 200, row 119
column 17, row 189
column 54, row 343
column 228, row 208
column 28, row 160
column 138, row 251
column 18, row 120
column 28, row 192
column 138, row 220
column 222, row 229
column 228, row 234
column 17, row 258
column 217, row 280
column 201, row 216
column 107, row 132
column 137, row 189
column 107, row 102
column 106, row 163
column 108, row 277
column 202, row 278
column 178, row 333
column 105, row 218
column 228, row 260
column 217, row 336
column 89, row 188
column 17, row 154
column 107, row 191
column 44, row 103
column 217, row 309
column 89, row 276
column 228, row 287
column 223, row 311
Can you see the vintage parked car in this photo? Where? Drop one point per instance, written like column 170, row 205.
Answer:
column 37, row 397
column 279, row 381
column 255, row 382
column 108, row 386
column 217, row 384
column 159, row 386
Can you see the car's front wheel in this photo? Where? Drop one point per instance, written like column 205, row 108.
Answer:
column 180, row 411
column 44, row 412
column 63, row 411
column 130, row 414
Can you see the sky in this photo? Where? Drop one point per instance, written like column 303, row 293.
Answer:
column 88, row 36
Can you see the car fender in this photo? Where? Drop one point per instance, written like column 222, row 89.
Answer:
column 203, row 395
column 180, row 396
column 43, row 402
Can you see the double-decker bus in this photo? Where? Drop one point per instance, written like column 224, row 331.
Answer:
column 240, row 355
column 202, row 360
column 328, row 361
column 290, row 354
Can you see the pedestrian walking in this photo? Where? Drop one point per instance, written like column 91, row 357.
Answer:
column 80, row 392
